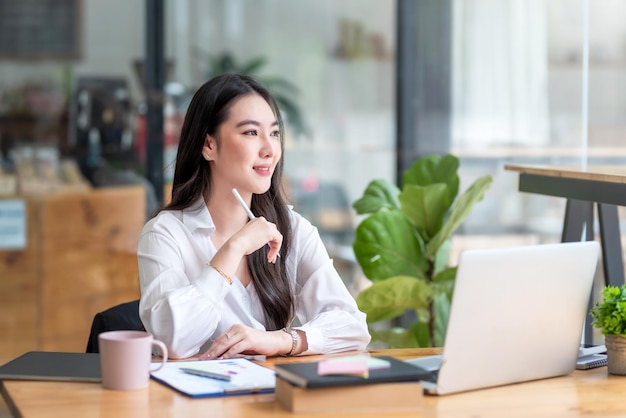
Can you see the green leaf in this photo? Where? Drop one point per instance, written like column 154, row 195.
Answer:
column 425, row 207
column 459, row 212
column 379, row 194
column 390, row 298
column 252, row 66
column 423, row 314
column 443, row 282
column 385, row 245
column 421, row 334
column 442, row 258
column 223, row 63
column 291, row 114
column 433, row 169
column 395, row 338
column 280, row 84
column 441, row 307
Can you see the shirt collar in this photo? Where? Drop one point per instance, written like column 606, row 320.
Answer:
column 197, row 216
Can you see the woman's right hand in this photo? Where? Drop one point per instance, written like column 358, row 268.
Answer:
column 254, row 235
column 257, row 233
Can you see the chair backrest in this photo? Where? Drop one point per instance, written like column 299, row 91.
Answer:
column 124, row 316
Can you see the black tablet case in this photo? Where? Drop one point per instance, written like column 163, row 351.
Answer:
column 49, row 365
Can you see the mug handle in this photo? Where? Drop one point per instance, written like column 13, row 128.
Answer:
column 163, row 349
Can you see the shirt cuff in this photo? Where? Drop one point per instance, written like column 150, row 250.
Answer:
column 314, row 340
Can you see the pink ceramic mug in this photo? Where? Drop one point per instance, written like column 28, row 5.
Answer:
column 125, row 359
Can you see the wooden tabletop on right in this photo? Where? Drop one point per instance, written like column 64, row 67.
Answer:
column 608, row 173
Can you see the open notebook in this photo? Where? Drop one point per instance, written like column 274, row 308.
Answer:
column 517, row 314
column 245, row 377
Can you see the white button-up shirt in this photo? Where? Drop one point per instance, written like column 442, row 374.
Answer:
column 187, row 304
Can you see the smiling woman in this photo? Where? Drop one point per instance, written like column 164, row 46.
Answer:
column 246, row 148
column 211, row 279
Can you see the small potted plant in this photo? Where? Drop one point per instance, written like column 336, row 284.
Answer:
column 610, row 317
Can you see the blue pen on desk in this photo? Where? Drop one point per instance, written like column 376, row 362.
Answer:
column 205, row 373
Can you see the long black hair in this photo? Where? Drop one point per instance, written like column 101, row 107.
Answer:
column 208, row 109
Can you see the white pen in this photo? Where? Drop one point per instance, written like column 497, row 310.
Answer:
column 245, row 207
column 243, row 204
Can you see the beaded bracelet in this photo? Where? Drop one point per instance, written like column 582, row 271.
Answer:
column 229, row 280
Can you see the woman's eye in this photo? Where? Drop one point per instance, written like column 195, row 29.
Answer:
column 275, row 133
column 251, row 132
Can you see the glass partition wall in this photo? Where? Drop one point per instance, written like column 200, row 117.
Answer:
column 535, row 83
column 530, row 82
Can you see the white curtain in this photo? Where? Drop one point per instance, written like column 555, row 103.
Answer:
column 500, row 95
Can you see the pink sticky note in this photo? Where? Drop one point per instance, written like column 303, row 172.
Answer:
column 358, row 367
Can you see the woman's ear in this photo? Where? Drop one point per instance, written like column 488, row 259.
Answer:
column 208, row 150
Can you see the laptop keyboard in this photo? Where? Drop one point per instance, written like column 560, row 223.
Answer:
column 430, row 364
column 431, row 376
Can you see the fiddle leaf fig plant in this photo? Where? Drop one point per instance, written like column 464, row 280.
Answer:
column 403, row 247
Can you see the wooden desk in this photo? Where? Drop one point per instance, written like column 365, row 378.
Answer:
column 582, row 187
column 583, row 393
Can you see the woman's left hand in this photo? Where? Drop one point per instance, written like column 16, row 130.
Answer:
column 244, row 340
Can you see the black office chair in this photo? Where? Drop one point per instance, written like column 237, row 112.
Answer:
column 124, row 316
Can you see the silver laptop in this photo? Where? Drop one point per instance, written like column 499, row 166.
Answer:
column 517, row 314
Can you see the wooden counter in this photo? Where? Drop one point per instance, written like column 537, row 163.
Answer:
column 80, row 259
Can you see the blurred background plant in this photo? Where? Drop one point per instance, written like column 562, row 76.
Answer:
column 285, row 93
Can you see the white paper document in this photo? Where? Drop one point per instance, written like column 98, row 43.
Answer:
column 245, row 377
